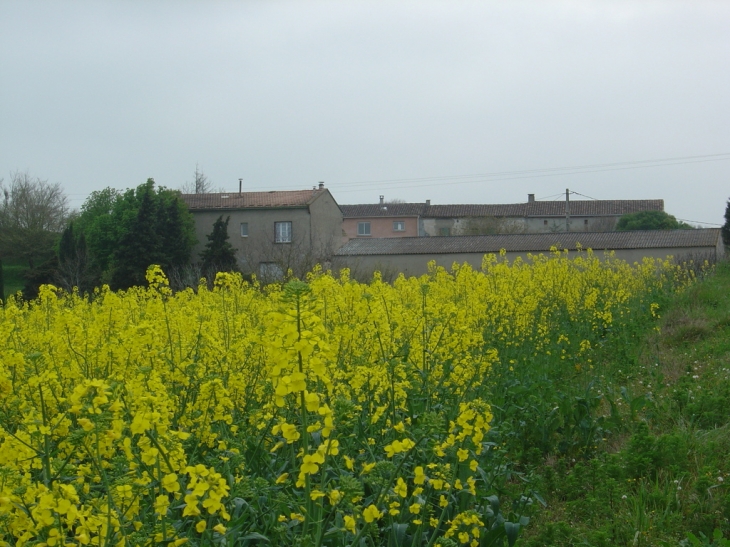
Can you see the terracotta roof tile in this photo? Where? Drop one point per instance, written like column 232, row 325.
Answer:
column 251, row 200
column 475, row 210
column 594, row 207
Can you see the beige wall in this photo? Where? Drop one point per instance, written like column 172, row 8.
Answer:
column 259, row 245
column 577, row 224
column 326, row 219
column 457, row 226
column 417, row 264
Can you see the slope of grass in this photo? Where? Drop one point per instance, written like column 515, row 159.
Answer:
column 660, row 472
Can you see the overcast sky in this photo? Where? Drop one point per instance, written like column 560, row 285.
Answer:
column 403, row 99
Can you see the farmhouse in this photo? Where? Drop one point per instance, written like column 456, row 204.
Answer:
column 532, row 216
column 411, row 256
column 375, row 220
column 272, row 231
column 382, row 219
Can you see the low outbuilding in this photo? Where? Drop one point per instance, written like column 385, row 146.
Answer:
column 411, row 255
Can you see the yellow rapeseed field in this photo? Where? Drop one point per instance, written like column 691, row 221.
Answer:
column 311, row 413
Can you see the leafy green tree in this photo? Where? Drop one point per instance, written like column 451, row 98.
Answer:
column 650, row 220
column 126, row 232
column 100, row 228
column 218, row 255
column 726, row 226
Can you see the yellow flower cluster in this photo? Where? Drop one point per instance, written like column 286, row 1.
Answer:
column 145, row 417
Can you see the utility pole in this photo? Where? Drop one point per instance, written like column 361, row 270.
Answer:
column 567, row 210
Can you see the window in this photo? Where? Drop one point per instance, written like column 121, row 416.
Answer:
column 585, row 222
column 399, row 226
column 444, row 232
column 363, row 228
column 271, row 271
column 544, row 222
column 283, row 232
column 244, row 229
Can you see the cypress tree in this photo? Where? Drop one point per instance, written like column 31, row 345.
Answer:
column 2, row 282
column 139, row 245
column 219, row 254
column 67, row 245
column 175, row 231
column 726, row 226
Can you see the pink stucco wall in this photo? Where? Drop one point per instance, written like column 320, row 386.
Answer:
column 381, row 227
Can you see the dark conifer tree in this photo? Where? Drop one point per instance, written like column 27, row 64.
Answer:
column 219, row 255
column 2, row 282
column 139, row 245
column 67, row 245
column 726, row 226
column 174, row 233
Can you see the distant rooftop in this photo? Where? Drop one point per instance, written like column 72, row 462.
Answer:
column 606, row 207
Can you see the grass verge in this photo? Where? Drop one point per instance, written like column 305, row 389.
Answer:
column 13, row 276
column 658, row 471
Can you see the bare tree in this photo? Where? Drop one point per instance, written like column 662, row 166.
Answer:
column 75, row 272
column 272, row 261
column 33, row 213
column 199, row 185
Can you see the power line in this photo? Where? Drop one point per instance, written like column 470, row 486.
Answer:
column 404, row 183
column 699, row 222
column 529, row 173
column 583, row 195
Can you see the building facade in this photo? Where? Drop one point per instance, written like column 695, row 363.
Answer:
column 382, row 220
column 531, row 217
column 272, row 232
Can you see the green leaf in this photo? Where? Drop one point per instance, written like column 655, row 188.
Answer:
column 513, row 530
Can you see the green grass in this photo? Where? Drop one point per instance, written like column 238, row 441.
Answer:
column 640, row 454
column 13, row 273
